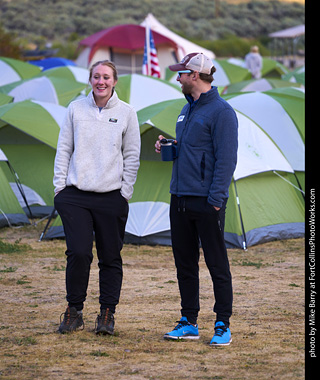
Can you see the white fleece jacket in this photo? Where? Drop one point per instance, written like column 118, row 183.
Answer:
column 98, row 151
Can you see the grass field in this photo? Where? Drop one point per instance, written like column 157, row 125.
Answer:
column 267, row 324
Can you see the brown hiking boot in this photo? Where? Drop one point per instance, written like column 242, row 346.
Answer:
column 72, row 320
column 105, row 322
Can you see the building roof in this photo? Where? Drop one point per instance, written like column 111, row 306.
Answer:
column 293, row 32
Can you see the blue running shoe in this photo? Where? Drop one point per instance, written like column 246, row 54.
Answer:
column 222, row 335
column 184, row 330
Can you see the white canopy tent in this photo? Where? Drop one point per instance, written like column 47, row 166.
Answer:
column 184, row 46
column 295, row 31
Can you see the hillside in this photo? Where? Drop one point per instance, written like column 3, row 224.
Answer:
column 281, row 1
column 41, row 21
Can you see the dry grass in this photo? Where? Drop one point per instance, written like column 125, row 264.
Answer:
column 267, row 325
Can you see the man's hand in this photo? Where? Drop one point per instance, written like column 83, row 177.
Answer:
column 157, row 145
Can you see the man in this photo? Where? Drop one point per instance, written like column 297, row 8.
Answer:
column 206, row 134
column 253, row 62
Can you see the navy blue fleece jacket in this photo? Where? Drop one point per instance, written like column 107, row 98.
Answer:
column 207, row 135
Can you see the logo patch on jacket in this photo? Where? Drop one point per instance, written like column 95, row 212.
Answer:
column 113, row 120
column 180, row 118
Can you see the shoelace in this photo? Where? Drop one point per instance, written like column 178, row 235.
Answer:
column 220, row 330
column 180, row 325
column 68, row 318
column 105, row 317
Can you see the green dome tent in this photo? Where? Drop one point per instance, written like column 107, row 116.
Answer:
column 281, row 114
column 141, row 90
column 28, row 136
column 72, row 73
column 226, row 73
column 270, row 67
column 5, row 99
column 266, row 201
column 11, row 212
column 13, row 70
column 296, row 76
column 262, row 84
column 47, row 89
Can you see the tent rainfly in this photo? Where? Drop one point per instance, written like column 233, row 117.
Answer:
column 68, row 73
column 142, row 91
column 12, row 70
column 262, row 84
column 46, row 89
column 51, row 62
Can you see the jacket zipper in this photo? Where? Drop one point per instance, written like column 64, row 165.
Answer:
column 182, row 133
column 203, row 166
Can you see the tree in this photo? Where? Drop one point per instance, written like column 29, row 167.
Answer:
column 216, row 8
column 8, row 47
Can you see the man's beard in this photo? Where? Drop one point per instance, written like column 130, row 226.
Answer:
column 186, row 89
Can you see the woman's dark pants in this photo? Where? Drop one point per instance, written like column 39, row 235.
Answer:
column 86, row 215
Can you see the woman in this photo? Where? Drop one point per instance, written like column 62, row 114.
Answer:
column 95, row 169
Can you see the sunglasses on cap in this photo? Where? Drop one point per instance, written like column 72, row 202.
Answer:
column 184, row 72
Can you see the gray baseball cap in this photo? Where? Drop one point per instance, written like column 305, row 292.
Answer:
column 195, row 62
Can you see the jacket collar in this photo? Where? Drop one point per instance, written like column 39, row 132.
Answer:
column 205, row 96
column 111, row 102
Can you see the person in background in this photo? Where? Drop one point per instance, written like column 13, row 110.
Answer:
column 95, row 169
column 207, row 142
column 253, row 62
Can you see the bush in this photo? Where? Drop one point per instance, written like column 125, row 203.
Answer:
column 8, row 47
column 232, row 46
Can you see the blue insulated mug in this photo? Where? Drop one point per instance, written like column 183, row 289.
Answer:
column 168, row 149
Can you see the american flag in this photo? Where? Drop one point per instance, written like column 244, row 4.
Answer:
column 150, row 56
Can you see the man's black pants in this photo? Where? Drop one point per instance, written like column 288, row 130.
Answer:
column 193, row 221
column 104, row 214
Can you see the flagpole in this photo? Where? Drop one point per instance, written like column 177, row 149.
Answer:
column 148, row 49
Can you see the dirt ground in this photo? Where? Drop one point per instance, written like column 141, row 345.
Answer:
column 267, row 324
